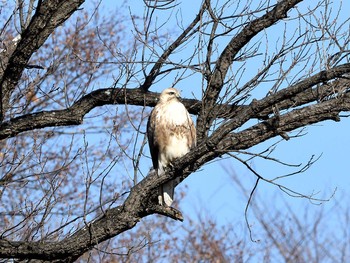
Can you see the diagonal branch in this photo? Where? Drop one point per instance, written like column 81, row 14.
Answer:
column 114, row 221
column 74, row 115
column 216, row 81
column 328, row 110
column 210, row 149
column 244, row 113
column 48, row 16
column 139, row 203
column 296, row 95
column 157, row 66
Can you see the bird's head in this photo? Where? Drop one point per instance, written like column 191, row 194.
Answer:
column 169, row 94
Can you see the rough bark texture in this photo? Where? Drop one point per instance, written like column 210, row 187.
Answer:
column 217, row 77
column 141, row 200
column 48, row 16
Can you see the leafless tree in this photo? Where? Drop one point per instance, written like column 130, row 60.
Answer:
column 262, row 70
column 282, row 229
column 296, row 233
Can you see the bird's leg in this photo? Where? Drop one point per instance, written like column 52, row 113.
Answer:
column 161, row 202
column 166, row 191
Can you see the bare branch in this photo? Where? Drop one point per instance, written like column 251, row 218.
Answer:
column 157, row 66
column 47, row 17
column 216, row 81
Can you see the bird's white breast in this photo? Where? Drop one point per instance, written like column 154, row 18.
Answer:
column 177, row 144
column 176, row 148
column 176, row 113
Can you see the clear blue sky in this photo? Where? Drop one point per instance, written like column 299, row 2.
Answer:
column 212, row 188
column 212, row 185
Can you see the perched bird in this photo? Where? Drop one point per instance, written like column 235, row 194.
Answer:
column 171, row 134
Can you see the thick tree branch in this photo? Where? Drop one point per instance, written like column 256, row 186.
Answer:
column 48, row 16
column 216, row 81
column 256, row 107
column 293, row 96
column 74, row 115
column 139, row 202
column 320, row 92
column 328, row 110
column 209, row 150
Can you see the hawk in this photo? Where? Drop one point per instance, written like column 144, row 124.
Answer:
column 171, row 134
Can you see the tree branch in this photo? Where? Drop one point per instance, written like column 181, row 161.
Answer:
column 48, row 16
column 139, row 202
column 294, row 96
column 216, row 81
column 157, row 66
column 74, row 115
column 244, row 113
column 328, row 110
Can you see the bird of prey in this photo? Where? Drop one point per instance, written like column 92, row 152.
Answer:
column 171, row 134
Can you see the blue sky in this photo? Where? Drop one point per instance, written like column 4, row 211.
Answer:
column 212, row 188
column 210, row 191
column 329, row 139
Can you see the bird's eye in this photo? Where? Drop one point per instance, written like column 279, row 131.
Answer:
column 171, row 92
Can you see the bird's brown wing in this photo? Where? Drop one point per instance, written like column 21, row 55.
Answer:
column 153, row 146
column 191, row 135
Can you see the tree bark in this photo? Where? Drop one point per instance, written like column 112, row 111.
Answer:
column 48, row 16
